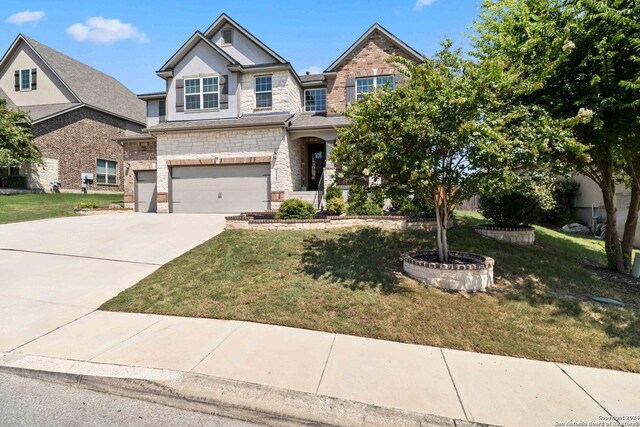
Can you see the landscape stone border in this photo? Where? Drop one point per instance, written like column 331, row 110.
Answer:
column 518, row 235
column 249, row 221
column 473, row 277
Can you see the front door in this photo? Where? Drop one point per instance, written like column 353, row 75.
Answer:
column 316, row 163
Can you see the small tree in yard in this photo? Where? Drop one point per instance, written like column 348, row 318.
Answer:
column 16, row 145
column 444, row 132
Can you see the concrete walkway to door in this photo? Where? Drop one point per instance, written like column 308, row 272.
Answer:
column 55, row 271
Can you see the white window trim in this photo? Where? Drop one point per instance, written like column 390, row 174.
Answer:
column 201, row 93
column 29, row 88
column 106, row 172
column 255, row 90
column 375, row 83
column 325, row 100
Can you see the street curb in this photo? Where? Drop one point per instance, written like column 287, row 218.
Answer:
column 222, row 397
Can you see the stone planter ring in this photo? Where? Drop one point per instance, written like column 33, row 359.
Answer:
column 519, row 235
column 464, row 271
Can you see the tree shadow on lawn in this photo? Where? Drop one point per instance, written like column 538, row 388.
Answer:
column 361, row 258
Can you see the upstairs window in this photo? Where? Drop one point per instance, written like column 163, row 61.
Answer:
column 201, row 93
column 227, row 36
column 25, row 79
column 264, row 94
column 369, row 84
column 162, row 108
column 106, row 172
column 315, row 100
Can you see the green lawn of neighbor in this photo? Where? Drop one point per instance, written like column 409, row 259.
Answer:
column 349, row 281
column 29, row 207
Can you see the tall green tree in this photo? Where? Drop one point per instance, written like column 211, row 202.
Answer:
column 448, row 130
column 16, row 145
column 580, row 60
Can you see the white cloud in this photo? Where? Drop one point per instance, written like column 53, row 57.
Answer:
column 24, row 17
column 422, row 3
column 314, row 69
column 100, row 30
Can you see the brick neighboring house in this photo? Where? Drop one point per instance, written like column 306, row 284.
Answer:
column 237, row 129
column 76, row 113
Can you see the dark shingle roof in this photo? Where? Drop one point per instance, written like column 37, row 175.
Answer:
column 38, row 112
column 244, row 121
column 91, row 86
column 10, row 104
column 312, row 78
column 318, row 121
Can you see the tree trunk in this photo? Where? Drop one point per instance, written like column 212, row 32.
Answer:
column 613, row 245
column 628, row 238
column 442, row 213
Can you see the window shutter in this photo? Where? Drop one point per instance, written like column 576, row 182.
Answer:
column 350, row 88
column 34, row 78
column 224, row 92
column 179, row 95
column 16, row 76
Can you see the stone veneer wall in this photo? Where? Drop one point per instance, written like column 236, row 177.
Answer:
column 366, row 60
column 518, row 235
column 76, row 140
column 253, row 142
column 285, row 90
column 138, row 156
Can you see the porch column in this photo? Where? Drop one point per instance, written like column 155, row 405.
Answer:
column 330, row 167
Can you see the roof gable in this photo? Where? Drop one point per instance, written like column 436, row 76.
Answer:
column 224, row 19
column 88, row 85
column 193, row 41
column 375, row 27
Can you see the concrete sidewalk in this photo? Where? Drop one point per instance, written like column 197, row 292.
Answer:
column 419, row 379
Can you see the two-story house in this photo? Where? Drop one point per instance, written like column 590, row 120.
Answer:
column 238, row 130
column 75, row 113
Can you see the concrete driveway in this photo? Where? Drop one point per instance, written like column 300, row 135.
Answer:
column 58, row 270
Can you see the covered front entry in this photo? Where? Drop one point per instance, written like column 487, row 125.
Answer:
column 316, row 161
column 220, row 188
column 145, row 193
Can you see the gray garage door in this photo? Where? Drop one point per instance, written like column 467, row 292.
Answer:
column 220, row 189
column 146, row 191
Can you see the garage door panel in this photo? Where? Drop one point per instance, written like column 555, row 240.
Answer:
column 220, row 189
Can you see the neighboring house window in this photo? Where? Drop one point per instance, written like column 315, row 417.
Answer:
column 227, row 36
column 106, row 172
column 315, row 100
column 25, row 79
column 201, row 93
column 162, row 108
column 264, row 95
column 369, row 84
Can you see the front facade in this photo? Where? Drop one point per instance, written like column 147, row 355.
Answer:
column 75, row 113
column 238, row 130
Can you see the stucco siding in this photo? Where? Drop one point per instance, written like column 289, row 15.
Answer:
column 242, row 50
column 201, row 61
column 50, row 89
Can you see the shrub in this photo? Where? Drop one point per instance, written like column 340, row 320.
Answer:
column 411, row 206
column 333, row 192
column 510, row 209
column 365, row 201
column 336, row 206
column 368, row 208
column 565, row 192
column 296, row 209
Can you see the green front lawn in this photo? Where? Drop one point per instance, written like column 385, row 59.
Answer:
column 29, row 207
column 348, row 281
